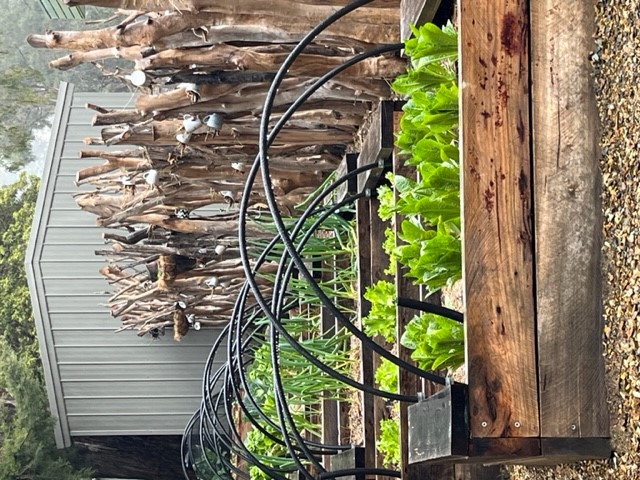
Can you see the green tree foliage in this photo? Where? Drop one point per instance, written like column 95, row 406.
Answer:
column 27, row 446
column 17, row 204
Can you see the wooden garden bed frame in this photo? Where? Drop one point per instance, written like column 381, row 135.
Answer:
column 531, row 220
column 531, row 225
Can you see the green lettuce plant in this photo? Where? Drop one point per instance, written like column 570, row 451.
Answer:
column 389, row 442
column 437, row 342
column 428, row 241
column 381, row 319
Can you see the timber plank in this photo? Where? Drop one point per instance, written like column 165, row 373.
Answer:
column 329, row 416
column 496, row 226
column 567, row 194
column 408, row 383
column 501, row 450
column 416, row 12
column 366, row 354
column 344, row 426
column 377, row 145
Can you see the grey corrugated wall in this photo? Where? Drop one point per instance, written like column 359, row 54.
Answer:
column 99, row 382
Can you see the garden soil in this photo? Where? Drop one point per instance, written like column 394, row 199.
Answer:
column 616, row 58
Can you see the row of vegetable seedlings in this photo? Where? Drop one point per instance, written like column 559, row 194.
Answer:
column 428, row 244
column 304, row 383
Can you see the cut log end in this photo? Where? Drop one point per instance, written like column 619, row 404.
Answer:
column 63, row 63
column 37, row 41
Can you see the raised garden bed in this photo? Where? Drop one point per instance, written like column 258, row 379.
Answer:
column 522, row 313
column 520, row 230
column 512, row 406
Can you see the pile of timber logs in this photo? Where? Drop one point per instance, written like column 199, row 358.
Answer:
column 174, row 181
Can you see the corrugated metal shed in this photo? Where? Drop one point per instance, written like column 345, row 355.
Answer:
column 58, row 9
column 99, row 382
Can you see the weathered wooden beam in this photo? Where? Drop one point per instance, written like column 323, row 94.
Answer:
column 416, row 12
column 367, row 371
column 249, row 98
column 256, row 59
column 568, row 221
column 377, row 145
column 379, row 261
column 164, row 133
column 367, row 25
column 305, row 9
column 503, row 450
column 497, row 219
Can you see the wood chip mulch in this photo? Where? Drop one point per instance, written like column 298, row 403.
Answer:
column 616, row 58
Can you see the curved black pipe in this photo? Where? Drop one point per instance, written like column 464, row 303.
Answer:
column 431, row 308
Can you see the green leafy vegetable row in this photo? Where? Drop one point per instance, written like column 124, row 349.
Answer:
column 429, row 248
column 304, row 384
column 430, row 234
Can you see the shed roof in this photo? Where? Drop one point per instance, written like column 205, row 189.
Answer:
column 58, row 9
column 98, row 382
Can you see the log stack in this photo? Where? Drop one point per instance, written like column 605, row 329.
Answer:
column 173, row 181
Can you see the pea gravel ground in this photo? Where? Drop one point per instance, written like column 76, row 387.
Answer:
column 616, row 58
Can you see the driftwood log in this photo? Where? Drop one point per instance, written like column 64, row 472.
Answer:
column 170, row 199
column 197, row 5
column 374, row 26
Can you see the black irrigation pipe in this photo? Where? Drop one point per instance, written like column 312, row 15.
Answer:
column 365, row 339
column 264, row 142
column 205, row 382
column 281, row 228
column 236, row 353
column 211, row 429
column 206, row 408
column 207, row 419
column 284, row 417
column 431, row 308
column 224, row 438
column 327, row 450
column 247, row 455
column 359, row 471
column 218, row 436
column 237, row 356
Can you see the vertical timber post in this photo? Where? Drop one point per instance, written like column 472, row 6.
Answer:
column 568, row 222
column 497, row 221
column 366, row 354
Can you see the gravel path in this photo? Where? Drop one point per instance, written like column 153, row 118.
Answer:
column 617, row 61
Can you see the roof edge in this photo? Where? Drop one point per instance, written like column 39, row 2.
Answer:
column 34, row 276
